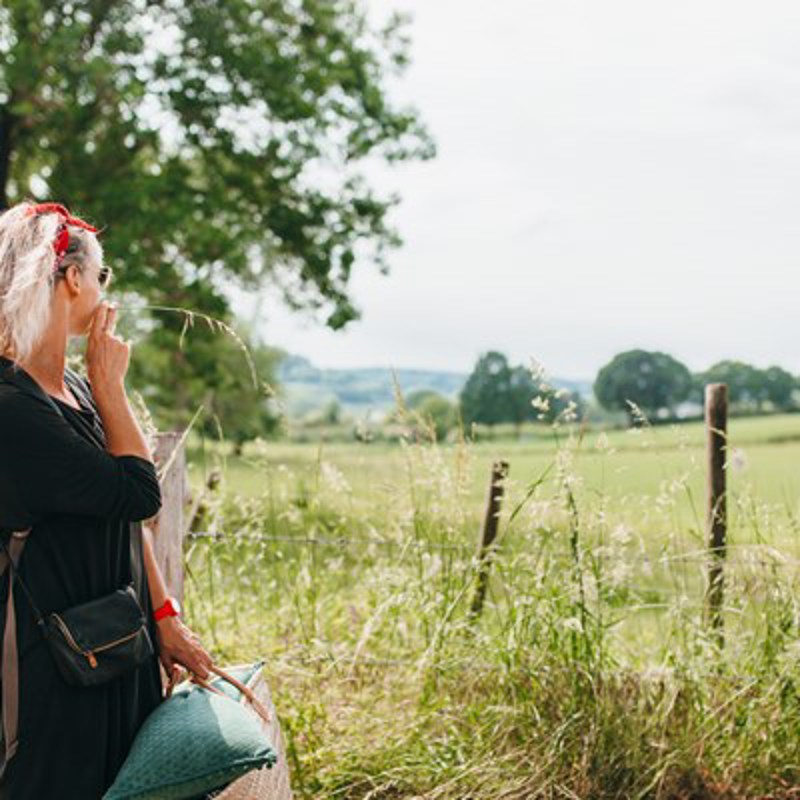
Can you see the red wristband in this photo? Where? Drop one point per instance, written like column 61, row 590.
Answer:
column 171, row 608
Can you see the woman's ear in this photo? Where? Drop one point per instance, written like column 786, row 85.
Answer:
column 72, row 276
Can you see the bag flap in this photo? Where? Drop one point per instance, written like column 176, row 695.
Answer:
column 104, row 620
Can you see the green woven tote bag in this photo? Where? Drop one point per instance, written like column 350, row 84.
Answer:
column 194, row 742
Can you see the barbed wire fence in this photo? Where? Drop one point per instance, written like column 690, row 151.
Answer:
column 713, row 562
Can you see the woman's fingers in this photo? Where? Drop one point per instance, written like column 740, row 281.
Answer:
column 198, row 662
column 111, row 319
column 103, row 321
column 204, row 662
column 98, row 320
column 107, row 355
column 187, row 649
column 173, row 679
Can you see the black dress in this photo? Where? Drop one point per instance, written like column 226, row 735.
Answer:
column 86, row 508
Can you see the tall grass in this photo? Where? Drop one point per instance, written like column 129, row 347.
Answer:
column 590, row 672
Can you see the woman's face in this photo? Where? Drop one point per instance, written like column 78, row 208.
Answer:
column 86, row 293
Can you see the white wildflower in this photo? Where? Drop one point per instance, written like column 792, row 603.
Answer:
column 738, row 460
column 541, row 403
column 570, row 413
column 536, row 369
column 334, row 478
column 619, row 572
column 621, row 535
column 572, row 624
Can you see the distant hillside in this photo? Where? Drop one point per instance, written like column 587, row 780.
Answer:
column 308, row 388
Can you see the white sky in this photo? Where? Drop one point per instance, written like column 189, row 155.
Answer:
column 611, row 175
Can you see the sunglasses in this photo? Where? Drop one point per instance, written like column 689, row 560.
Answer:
column 103, row 276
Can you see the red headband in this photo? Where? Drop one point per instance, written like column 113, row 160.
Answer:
column 61, row 243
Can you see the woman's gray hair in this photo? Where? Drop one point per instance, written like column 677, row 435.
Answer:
column 27, row 280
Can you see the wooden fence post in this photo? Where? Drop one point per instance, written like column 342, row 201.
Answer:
column 717, row 520
column 491, row 520
column 168, row 531
column 168, row 524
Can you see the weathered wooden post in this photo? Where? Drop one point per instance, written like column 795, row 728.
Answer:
column 168, row 525
column 717, row 521
column 491, row 521
column 168, row 533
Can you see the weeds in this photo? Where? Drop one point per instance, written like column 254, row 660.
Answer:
column 590, row 674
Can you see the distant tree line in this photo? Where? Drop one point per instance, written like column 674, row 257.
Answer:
column 495, row 393
column 637, row 382
column 659, row 384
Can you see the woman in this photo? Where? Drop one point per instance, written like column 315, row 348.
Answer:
column 84, row 480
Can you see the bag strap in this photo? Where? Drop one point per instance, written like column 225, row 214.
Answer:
column 9, row 669
column 14, row 570
column 245, row 690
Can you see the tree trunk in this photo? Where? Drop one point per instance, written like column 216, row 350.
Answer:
column 6, row 131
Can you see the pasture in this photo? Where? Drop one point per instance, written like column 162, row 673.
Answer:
column 350, row 567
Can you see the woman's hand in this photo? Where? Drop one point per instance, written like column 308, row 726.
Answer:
column 180, row 647
column 107, row 356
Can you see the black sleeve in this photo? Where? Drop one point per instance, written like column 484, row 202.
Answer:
column 52, row 469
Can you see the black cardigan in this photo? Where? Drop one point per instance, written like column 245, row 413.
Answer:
column 86, row 507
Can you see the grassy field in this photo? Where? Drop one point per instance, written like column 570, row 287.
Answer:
column 633, row 468
column 591, row 672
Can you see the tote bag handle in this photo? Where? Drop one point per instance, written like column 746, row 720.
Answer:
column 247, row 692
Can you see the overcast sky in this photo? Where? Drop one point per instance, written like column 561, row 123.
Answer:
column 610, row 175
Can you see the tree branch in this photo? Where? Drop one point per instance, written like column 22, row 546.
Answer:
column 7, row 124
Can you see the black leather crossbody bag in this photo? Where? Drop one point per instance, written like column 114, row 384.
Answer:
column 96, row 641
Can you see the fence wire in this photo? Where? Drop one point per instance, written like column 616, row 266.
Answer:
column 770, row 556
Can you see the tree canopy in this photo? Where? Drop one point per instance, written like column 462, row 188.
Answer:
column 215, row 142
column 497, row 392
column 486, row 395
column 751, row 388
column 653, row 381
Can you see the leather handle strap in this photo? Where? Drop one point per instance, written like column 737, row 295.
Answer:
column 9, row 667
column 246, row 691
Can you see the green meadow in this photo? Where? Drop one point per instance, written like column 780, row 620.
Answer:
column 632, row 468
column 592, row 670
